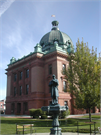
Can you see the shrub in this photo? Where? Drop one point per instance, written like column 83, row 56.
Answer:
column 43, row 116
column 1, row 112
column 64, row 114
column 35, row 113
column 39, row 112
column 32, row 112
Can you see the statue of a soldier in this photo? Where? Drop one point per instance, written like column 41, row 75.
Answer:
column 54, row 90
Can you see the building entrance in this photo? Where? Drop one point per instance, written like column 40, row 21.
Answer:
column 25, row 107
column 18, row 108
column 12, row 108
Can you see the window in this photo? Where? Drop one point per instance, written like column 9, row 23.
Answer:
column 50, row 69
column 15, row 77
column 27, row 73
column 25, row 106
column 50, row 102
column 63, row 68
column 21, row 75
column 65, row 103
column 14, row 91
column 27, row 89
column 49, row 89
column 65, row 86
column 20, row 90
column 12, row 108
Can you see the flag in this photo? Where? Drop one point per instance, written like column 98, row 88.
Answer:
column 52, row 15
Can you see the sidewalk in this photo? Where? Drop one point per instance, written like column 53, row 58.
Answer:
column 27, row 116
column 66, row 133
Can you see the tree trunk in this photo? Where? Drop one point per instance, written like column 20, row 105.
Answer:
column 90, row 118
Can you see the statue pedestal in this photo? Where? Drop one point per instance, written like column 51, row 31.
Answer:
column 55, row 110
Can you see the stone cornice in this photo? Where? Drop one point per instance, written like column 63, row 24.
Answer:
column 25, row 62
column 56, row 53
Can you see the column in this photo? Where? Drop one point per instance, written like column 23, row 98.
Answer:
column 17, row 83
column 12, row 88
column 23, row 81
column 29, row 80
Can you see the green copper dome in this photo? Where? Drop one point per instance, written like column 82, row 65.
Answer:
column 55, row 35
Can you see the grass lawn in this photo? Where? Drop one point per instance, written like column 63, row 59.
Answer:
column 8, row 125
column 93, row 116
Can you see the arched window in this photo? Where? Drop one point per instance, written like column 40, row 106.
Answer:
column 65, row 103
column 64, row 86
column 64, row 68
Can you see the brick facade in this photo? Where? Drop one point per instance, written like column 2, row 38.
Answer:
column 28, row 78
column 19, row 102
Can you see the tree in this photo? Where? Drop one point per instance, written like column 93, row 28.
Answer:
column 83, row 77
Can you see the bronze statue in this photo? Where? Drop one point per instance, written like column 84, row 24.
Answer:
column 54, row 90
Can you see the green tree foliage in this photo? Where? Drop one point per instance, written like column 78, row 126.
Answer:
column 83, row 77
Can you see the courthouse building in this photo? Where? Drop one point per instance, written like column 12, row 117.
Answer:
column 28, row 77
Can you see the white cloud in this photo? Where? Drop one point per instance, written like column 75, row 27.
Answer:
column 28, row 46
column 14, row 37
column 4, row 5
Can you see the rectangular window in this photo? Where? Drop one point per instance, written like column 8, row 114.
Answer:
column 49, row 89
column 14, row 91
column 21, row 75
column 64, row 68
column 25, row 106
column 50, row 102
column 65, row 86
column 27, row 89
column 50, row 69
column 20, row 90
column 27, row 73
column 12, row 108
column 15, row 77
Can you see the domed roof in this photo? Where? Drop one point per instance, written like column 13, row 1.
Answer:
column 55, row 35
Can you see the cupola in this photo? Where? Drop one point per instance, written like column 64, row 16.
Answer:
column 55, row 35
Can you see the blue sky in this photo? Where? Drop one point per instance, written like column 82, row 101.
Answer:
column 24, row 22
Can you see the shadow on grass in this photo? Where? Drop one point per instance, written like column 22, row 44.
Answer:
column 41, row 122
column 67, row 125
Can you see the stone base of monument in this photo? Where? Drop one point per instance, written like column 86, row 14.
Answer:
column 55, row 109
column 55, row 131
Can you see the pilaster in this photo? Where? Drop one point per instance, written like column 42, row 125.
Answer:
column 23, row 81
column 17, row 83
column 29, row 80
column 12, row 89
